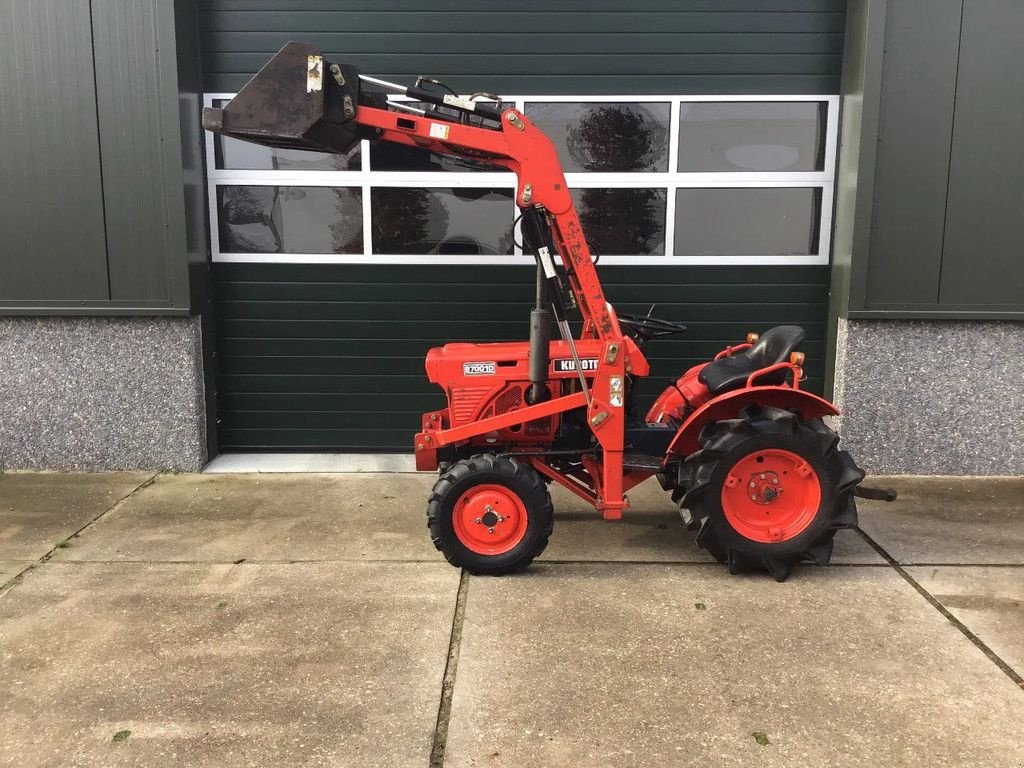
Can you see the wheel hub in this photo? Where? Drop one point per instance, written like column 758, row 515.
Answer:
column 771, row 495
column 764, row 487
column 490, row 519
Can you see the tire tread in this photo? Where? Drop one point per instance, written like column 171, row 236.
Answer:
column 523, row 480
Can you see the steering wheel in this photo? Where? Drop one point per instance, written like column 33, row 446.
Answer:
column 646, row 327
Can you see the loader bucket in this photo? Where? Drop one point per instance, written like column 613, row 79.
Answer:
column 297, row 101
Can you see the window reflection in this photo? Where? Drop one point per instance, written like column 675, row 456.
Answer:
column 747, row 222
column 385, row 156
column 261, row 219
column 752, row 136
column 606, row 137
column 462, row 221
column 622, row 222
column 233, row 154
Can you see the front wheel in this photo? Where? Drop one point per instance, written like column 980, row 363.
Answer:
column 767, row 491
column 490, row 515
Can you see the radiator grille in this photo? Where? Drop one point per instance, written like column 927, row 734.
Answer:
column 507, row 400
column 465, row 402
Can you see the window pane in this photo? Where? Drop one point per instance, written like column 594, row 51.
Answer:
column 606, row 137
column 752, row 136
column 622, row 222
column 234, row 154
column 261, row 219
column 385, row 156
column 747, row 222
column 442, row 221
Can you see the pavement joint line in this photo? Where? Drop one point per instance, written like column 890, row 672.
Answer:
column 980, row 644
column 248, row 561
column 697, row 563
column 426, row 561
column 962, row 565
column 7, row 586
column 444, row 710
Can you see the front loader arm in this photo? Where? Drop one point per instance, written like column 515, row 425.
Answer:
column 522, row 148
column 300, row 100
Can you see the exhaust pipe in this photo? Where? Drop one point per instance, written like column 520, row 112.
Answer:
column 541, row 318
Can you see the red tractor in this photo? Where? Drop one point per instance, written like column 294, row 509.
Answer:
column 742, row 449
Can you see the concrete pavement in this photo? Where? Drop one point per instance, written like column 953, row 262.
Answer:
column 39, row 510
column 284, row 620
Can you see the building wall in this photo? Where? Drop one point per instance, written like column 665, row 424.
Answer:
column 93, row 215
column 928, row 284
column 543, row 47
column 330, row 356
column 305, row 362
column 936, row 217
column 936, row 397
column 103, row 265
column 99, row 393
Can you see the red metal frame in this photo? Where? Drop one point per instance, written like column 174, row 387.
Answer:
column 798, row 373
column 730, row 351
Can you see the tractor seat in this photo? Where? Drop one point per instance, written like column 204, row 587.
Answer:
column 774, row 346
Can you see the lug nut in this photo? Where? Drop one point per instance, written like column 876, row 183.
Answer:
column 490, row 530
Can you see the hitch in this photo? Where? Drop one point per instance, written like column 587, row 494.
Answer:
column 877, row 494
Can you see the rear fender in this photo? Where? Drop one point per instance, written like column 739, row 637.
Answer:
column 729, row 405
column 684, row 391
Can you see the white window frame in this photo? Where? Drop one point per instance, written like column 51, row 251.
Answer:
column 670, row 181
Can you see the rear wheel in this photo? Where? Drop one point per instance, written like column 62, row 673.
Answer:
column 490, row 515
column 767, row 491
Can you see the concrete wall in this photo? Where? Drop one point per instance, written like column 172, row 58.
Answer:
column 95, row 393
column 932, row 397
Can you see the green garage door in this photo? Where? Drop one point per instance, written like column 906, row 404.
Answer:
column 698, row 136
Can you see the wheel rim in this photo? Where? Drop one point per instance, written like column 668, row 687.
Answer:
column 771, row 495
column 490, row 519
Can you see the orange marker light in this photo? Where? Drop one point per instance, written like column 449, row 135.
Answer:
column 797, row 358
column 753, row 337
